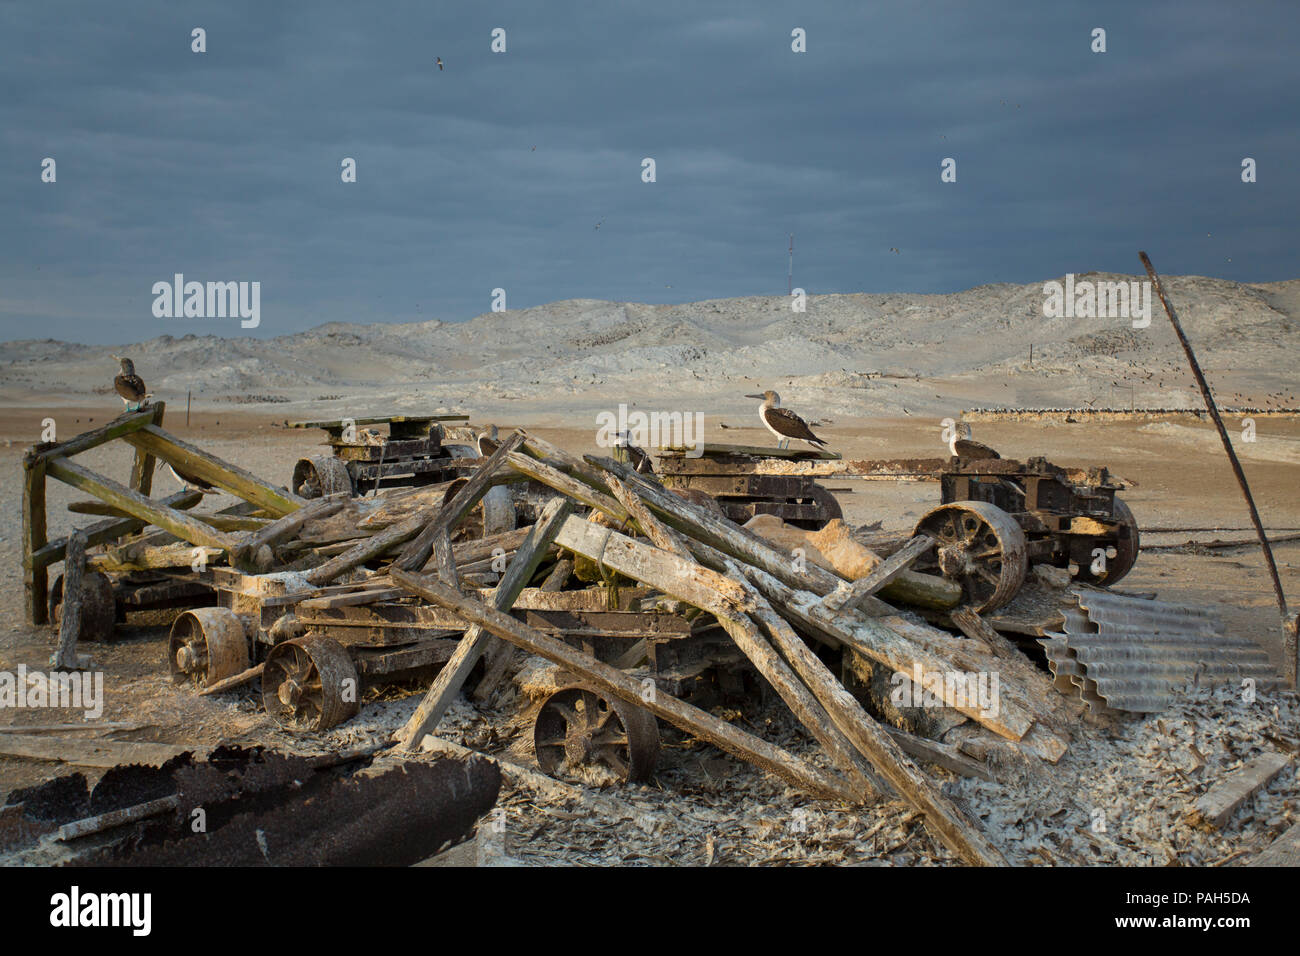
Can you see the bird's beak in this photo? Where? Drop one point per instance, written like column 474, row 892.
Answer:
column 754, row 396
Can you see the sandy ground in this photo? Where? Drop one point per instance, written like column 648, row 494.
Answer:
column 1183, row 482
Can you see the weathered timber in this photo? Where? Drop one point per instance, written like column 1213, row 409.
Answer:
column 88, row 753
column 132, row 502
column 1284, row 851
column 476, row 640
column 234, row 680
column 370, row 595
column 119, row 427
column 502, row 655
column 221, row 474
column 940, row 754
column 660, row 535
column 1217, row 805
column 102, row 532
column 852, row 595
column 443, row 558
column 74, row 572
column 142, row 467
column 36, row 577
column 886, row 756
column 281, row 528
column 663, row 570
column 607, row 679
column 415, row 554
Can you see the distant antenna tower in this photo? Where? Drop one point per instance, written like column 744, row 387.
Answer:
column 790, row 275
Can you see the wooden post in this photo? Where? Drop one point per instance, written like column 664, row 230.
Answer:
column 74, row 571
column 471, row 647
column 142, row 468
column 609, row 680
column 36, row 576
column 246, row 553
column 102, row 532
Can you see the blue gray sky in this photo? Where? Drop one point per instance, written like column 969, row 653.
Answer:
column 225, row 165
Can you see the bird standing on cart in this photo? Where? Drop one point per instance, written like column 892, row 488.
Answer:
column 129, row 386
column 783, row 423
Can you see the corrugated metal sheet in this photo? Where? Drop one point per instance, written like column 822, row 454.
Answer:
column 1126, row 653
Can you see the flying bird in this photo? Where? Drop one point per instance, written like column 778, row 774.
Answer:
column 130, row 386
column 783, row 423
column 439, row 59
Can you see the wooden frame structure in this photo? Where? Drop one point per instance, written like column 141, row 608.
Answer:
column 130, row 507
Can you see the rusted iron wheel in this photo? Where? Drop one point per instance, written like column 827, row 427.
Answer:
column 98, row 606
column 578, row 727
column 979, row 546
column 828, row 509
column 1126, row 548
column 207, row 644
column 320, row 476
column 310, row 683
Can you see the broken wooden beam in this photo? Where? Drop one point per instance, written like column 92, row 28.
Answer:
column 476, row 640
column 249, row 554
column 179, row 523
column 852, row 595
column 74, row 575
column 607, row 679
column 195, row 461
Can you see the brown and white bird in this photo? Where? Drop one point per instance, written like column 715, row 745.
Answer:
column 439, row 59
column 783, row 423
column 129, row 385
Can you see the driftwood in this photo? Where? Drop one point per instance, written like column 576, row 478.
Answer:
column 1217, row 805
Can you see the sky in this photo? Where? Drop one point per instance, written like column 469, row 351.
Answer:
column 495, row 172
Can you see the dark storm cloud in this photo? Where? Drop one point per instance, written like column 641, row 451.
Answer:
column 225, row 165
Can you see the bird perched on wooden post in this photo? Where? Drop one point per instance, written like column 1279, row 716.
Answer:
column 129, row 385
column 783, row 423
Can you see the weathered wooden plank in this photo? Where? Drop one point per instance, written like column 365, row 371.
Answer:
column 1217, row 805
column 102, row 532
column 854, row 594
column 234, row 680
column 660, row 535
column 1284, row 851
column 142, row 468
column 352, row 598
column 119, row 427
column 195, row 461
column 132, row 502
column 88, row 753
column 248, row 554
column 609, row 680
column 476, row 640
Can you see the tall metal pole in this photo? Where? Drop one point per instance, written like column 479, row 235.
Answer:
column 1290, row 627
column 790, row 275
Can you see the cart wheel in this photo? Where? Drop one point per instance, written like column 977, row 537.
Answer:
column 320, row 476
column 310, row 683
column 979, row 546
column 1126, row 548
column 578, row 727
column 207, row 644
column 98, row 606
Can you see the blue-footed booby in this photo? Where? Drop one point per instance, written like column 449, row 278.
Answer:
column 783, row 423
